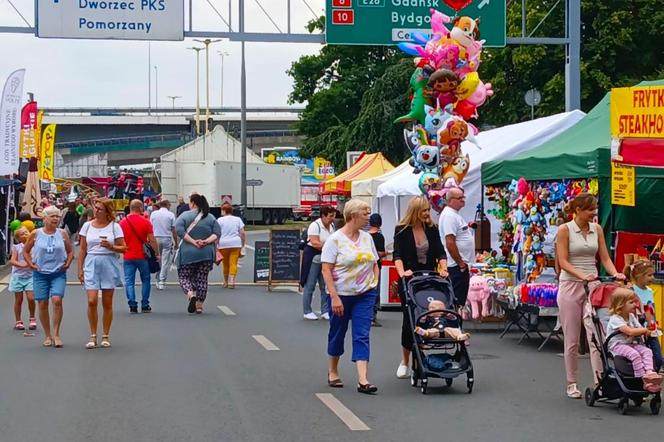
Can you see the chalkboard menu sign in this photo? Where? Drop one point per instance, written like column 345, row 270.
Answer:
column 262, row 261
column 284, row 256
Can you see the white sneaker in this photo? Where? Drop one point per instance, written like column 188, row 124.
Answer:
column 160, row 285
column 325, row 316
column 402, row 371
column 311, row 316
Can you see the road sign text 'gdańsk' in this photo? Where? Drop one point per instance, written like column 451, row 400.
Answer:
column 388, row 22
column 111, row 20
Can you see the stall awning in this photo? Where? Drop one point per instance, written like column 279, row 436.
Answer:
column 367, row 166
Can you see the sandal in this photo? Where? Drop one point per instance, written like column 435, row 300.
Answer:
column 366, row 388
column 19, row 326
column 48, row 342
column 105, row 342
column 191, row 308
column 573, row 392
column 335, row 383
column 92, row 343
column 32, row 324
column 57, row 342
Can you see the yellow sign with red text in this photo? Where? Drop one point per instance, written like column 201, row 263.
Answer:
column 47, row 154
column 637, row 112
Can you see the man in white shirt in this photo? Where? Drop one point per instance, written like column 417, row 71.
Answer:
column 163, row 223
column 459, row 244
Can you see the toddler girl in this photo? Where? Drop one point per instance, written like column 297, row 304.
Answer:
column 628, row 342
column 21, row 280
column 436, row 326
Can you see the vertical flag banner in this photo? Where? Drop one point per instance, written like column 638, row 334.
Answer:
column 10, row 120
column 28, row 147
column 38, row 136
column 32, row 194
column 47, row 154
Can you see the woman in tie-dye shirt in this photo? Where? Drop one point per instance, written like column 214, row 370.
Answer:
column 350, row 270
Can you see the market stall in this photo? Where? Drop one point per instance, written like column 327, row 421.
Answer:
column 367, row 166
column 529, row 191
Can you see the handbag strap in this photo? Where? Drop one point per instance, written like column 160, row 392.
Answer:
column 136, row 234
column 190, row 228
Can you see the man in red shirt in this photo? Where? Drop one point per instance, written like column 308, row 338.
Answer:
column 137, row 231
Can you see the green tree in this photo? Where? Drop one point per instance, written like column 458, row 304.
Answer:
column 353, row 93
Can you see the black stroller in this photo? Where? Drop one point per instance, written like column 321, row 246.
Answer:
column 617, row 381
column 451, row 355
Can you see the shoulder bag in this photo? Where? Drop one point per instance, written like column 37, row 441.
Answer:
column 148, row 251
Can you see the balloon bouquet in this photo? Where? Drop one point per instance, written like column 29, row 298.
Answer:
column 446, row 92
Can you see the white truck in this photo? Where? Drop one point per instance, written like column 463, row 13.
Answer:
column 210, row 166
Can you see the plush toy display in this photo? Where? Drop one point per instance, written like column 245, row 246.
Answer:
column 479, row 296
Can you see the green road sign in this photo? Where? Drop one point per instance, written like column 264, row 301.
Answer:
column 388, row 22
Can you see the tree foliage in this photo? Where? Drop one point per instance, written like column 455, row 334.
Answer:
column 354, row 93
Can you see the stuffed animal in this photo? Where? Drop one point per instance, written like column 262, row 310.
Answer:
column 479, row 296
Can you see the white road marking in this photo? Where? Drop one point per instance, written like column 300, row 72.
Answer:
column 6, row 279
column 250, row 247
column 226, row 310
column 265, row 342
column 347, row 417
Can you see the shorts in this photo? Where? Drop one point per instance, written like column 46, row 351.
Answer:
column 20, row 284
column 102, row 272
column 47, row 285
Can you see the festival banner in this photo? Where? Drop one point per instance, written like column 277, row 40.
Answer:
column 47, row 154
column 637, row 112
column 38, row 132
column 28, row 147
column 10, row 107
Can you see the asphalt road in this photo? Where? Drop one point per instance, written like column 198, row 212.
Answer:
column 171, row 376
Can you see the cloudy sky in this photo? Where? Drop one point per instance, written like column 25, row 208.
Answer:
column 115, row 73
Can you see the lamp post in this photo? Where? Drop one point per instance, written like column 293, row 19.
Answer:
column 223, row 54
column 173, row 98
column 198, row 103
column 156, row 88
column 207, row 43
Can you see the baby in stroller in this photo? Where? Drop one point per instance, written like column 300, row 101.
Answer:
column 627, row 340
column 437, row 325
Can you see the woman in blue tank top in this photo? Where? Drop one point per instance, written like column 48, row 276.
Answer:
column 49, row 253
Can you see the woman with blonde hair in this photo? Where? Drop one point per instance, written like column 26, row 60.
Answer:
column 350, row 270
column 578, row 245
column 101, row 240
column 49, row 253
column 417, row 246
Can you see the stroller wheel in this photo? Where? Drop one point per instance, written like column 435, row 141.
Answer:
column 413, row 379
column 622, row 406
column 589, row 396
column 448, row 381
column 655, row 405
column 423, row 386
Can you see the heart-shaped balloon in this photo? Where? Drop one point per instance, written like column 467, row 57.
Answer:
column 458, row 5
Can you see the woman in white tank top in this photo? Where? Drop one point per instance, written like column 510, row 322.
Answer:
column 578, row 246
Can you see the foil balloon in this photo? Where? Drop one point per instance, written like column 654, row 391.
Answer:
column 14, row 225
column 429, row 181
column 28, row 224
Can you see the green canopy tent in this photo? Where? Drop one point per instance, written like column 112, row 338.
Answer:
column 583, row 151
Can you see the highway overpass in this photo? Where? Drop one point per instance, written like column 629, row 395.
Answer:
column 138, row 135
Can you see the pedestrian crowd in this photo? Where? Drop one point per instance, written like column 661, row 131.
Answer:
column 344, row 262
column 149, row 241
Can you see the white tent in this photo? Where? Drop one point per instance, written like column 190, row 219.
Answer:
column 503, row 142
column 367, row 189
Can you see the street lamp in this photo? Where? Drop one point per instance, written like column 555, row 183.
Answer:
column 223, row 54
column 173, row 98
column 198, row 104
column 156, row 88
column 207, row 42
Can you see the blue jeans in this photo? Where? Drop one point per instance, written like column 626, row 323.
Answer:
column 653, row 344
column 359, row 310
column 315, row 276
column 130, row 267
